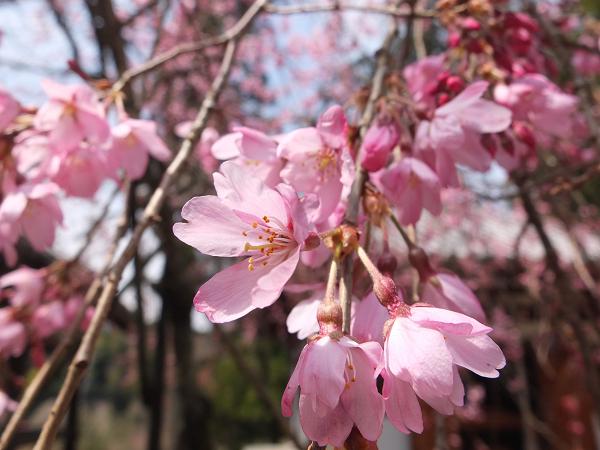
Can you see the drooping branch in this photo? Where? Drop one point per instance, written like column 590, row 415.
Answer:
column 351, row 216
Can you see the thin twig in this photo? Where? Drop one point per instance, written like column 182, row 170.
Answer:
column 360, row 178
column 232, row 33
column 64, row 26
column 336, row 6
column 95, row 226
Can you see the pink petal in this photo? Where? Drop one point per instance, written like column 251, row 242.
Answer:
column 447, row 322
column 461, row 298
column 300, row 143
column 465, row 99
column 419, row 354
column 361, row 399
column 226, row 147
column 369, row 320
column 228, row 294
column 290, row 390
column 480, row 354
column 332, row 126
column 322, row 378
column 485, row 116
column 333, row 428
column 211, row 227
column 303, row 318
column 401, row 405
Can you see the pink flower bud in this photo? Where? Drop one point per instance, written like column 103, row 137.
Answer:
column 524, row 133
column 419, row 260
column 470, row 24
column 455, row 84
column 380, row 140
column 453, row 39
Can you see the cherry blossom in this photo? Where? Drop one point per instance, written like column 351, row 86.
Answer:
column 318, row 161
column 423, row 348
column 337, row 381
column 72, row 114
column 454, row 131
column 32, row 210
column 246, row 218
column 253, row 150
column 380, row 140
column 132, row 142
column 411, row 186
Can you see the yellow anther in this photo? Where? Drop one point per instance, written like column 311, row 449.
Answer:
column 254, row 225
column 265, row 219
column 250, row 267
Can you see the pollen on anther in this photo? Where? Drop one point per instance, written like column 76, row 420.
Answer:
column 250, row 267
column 265, row 219
column 244, row 233
column 254, row 225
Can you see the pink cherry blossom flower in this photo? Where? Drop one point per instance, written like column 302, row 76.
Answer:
column 33, row 210
column 9, row 109
column 319, row 162
column 422, row 79
column 337, row 381
column 253, row 150
column 587, row 63
column 246, row 218
column 536, row 100
column 26, row 286
column 133, row 141
column 79, row 170
column 48, row 318
column 72, row 114
column 13, row 336
column 410, row 185
column 422, row 350
column 455, row 129
column 379, row 141
column 7, row 405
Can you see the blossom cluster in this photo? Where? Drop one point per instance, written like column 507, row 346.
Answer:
column 67, row 147
column 36, row 305
column 281, row 200
column 277, row 197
